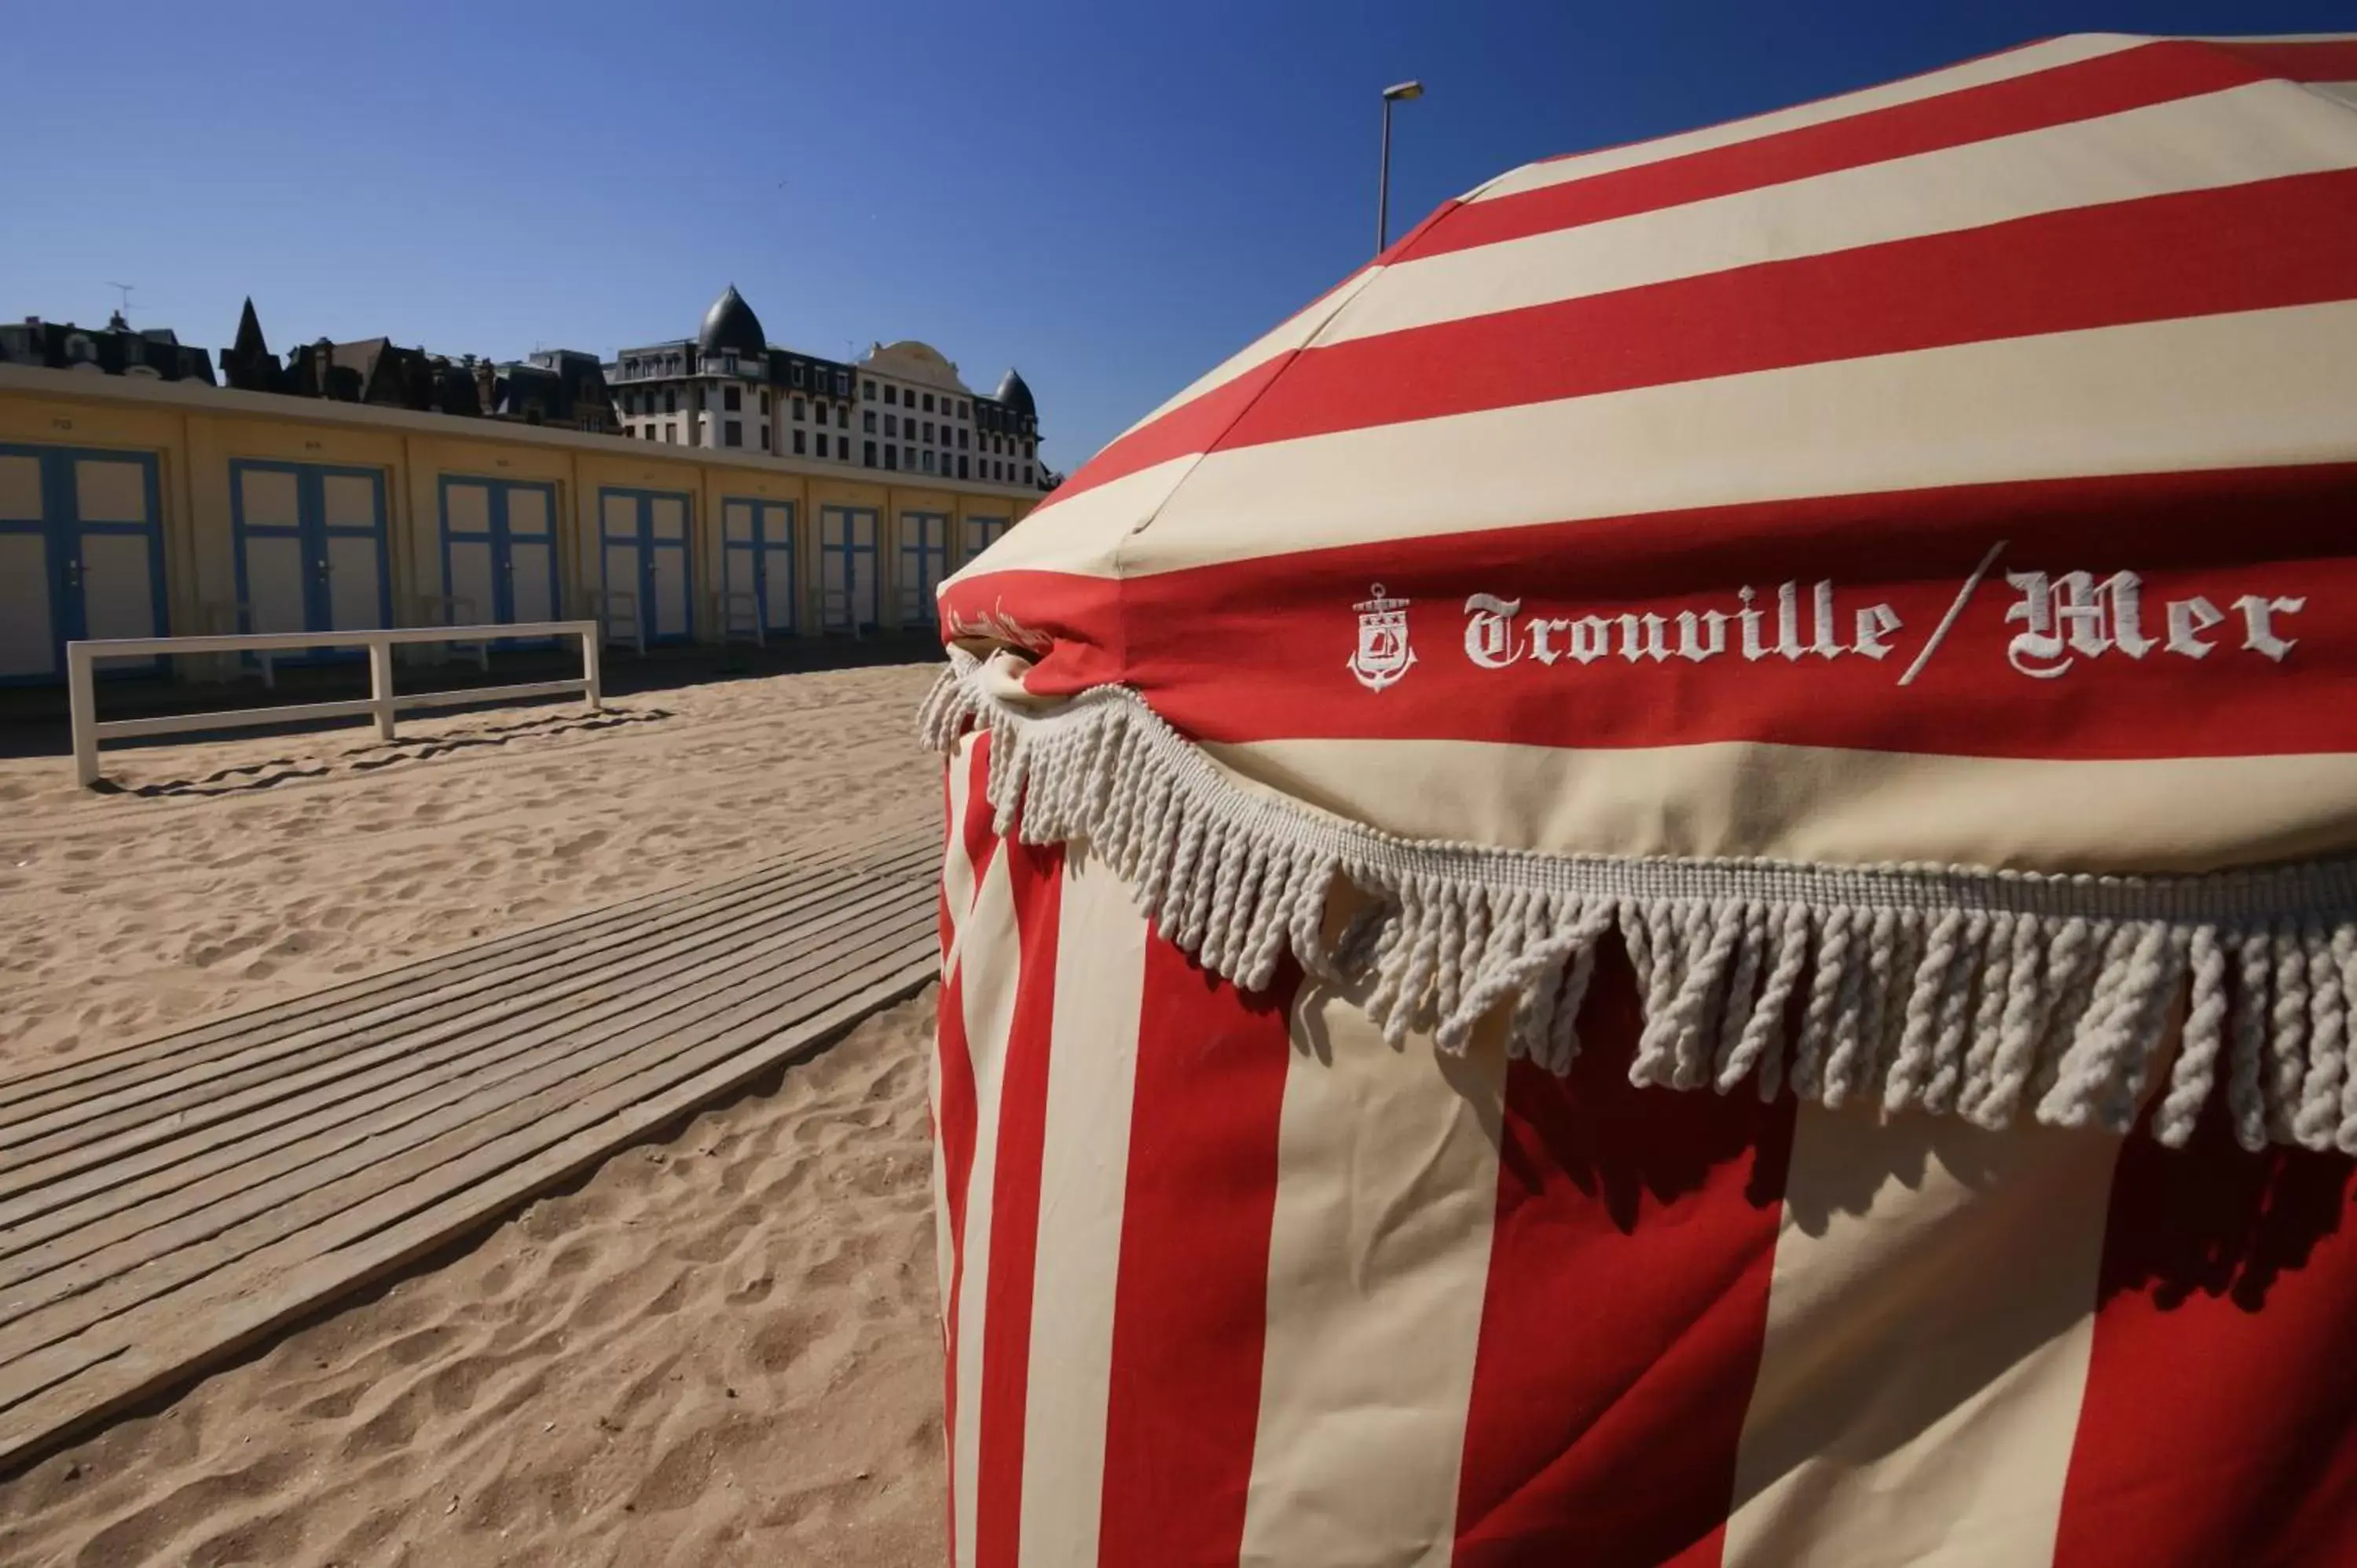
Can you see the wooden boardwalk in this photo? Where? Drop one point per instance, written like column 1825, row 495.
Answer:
column 163, row 1204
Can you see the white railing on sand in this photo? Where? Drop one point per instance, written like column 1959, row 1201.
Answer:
column 610, row 605
column 726, row 603
column 380, row 703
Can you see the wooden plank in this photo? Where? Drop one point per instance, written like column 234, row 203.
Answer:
column 235, row 1157
column 128, row 1373
column 70, row 1163
column 466, row 1046
column 146, row 1228
column 79, row 1126
column 235, row 1031
column 562, row 1132
column 69, row 1303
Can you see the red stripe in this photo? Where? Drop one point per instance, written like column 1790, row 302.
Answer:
column 1193, row 426
column 2264, row 246
column 1626, row 1309
column 981, row 833
column 1020, row 1142
column 2219, row 1420
column 2086, row 89
column 1190, row 1304
column 956, row 1113
column 1256, row 650
column 1197, row 425
column 2317, row 60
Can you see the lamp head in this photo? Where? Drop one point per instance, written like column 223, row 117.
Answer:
column 1404, row 91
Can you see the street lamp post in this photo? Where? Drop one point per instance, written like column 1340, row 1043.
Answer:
column 1400, row 93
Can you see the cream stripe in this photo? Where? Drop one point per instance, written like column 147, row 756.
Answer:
column 957, row 890
column 1091, row 1073
column 1955, row 78
column 1825, row 804
column 2262, row 131
column 991, row 958
column 1929, row 1322
column 1082, row 533
column 957, row 866
column 1379, row 1259
column 2259, row 387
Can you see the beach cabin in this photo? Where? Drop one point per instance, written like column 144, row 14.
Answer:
column 135, row 507
column 1690, row 900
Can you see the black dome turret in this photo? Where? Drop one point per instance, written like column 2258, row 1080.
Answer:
column 731, row 324
column 1017, row 394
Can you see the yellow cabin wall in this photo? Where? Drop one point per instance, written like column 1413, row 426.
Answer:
column 197, row 432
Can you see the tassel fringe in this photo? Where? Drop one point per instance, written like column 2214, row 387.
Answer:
column 1980, row 993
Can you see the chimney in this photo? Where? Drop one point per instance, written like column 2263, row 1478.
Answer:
column 487, row 384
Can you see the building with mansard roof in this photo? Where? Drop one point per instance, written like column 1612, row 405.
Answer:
column 901, row 407
column 114, row 350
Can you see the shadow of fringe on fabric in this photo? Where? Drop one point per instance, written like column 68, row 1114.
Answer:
column 1953, row 990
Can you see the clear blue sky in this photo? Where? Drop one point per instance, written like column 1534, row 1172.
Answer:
column 1111, row 194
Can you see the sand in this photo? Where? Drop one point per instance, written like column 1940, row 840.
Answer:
column 721, row 1347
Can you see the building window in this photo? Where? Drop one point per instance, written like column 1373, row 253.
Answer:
column 765, row 400
column 929, row 430
column 891, row 424
column 962, row 473
column 891, row 393
column 867, row 454
column 892, row 457
column 867, row 391
column 671, row 433
column 963, row 408
column 961, row 437
column 929, row 462
column 801, row 444
column 648, row 433
column 908, row 458
column 670, row 399
column 1028, row 446
column 1026, row 473
column 843, row 417
column 732, row 398
column 843, row 447
column 798, row 408
column 867, row 421
column 929, row 402
column 732, row 432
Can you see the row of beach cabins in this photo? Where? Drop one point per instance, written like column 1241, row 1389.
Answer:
column 136, row 507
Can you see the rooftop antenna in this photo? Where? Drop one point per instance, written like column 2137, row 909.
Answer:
column 125, row 289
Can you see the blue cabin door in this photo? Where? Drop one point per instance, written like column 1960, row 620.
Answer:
column 981, row 534
column 846, row 558
column 924, row 561
column 311, row 554
column 642, row 535
column 82, row 556
column 498, row 552
column 757, row 540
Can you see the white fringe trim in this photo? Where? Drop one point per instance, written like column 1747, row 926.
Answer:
column 1982, row 993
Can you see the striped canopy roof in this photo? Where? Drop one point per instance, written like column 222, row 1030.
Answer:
column 1953, row 471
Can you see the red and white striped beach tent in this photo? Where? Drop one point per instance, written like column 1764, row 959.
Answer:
column 1671, row 883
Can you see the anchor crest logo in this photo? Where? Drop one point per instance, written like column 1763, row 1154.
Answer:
column 1384, row 654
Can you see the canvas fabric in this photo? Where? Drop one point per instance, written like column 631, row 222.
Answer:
column 1676, row 880
column 1229, row 1279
